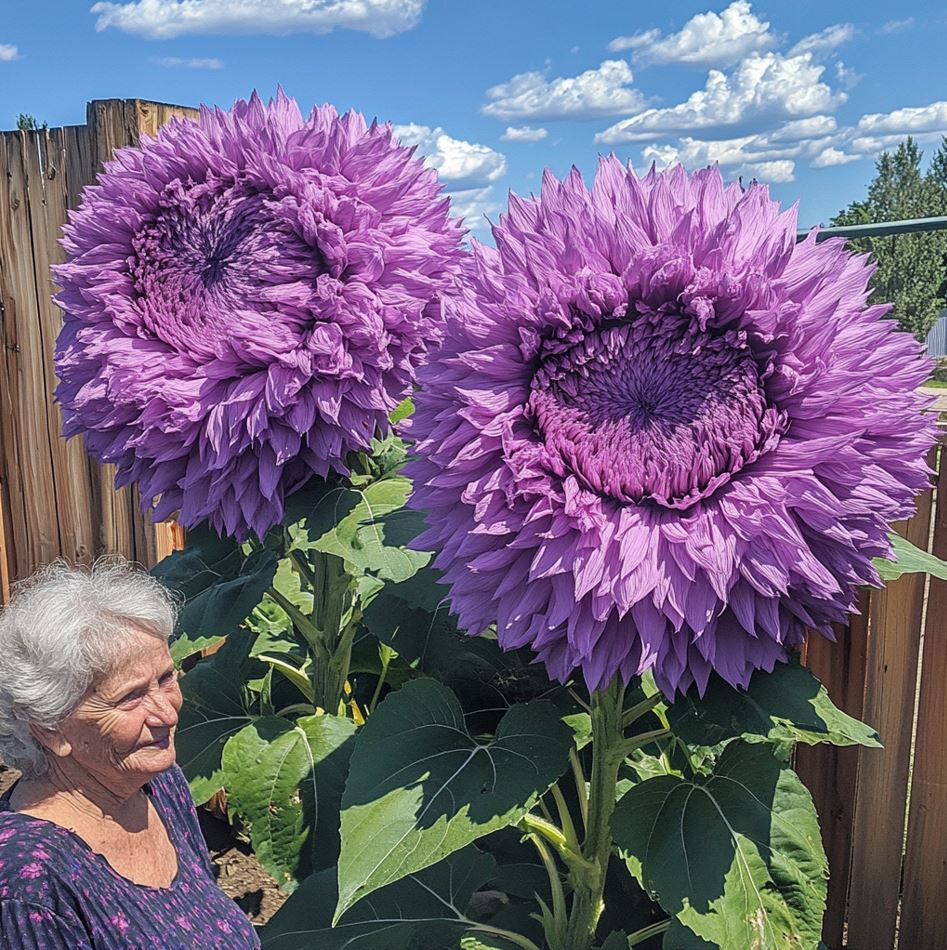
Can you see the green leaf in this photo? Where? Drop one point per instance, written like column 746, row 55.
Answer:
column 787, row 704
column 420, row 786
column 295, row 675
column 216, row 706
column 369, row 527
column 276, row 770
column 183, row 646
column 909, row 559
column 736, row 856
column 402, row 410
column 220, row 584
column 679, row 937
column 414, row 619
column 422, row 910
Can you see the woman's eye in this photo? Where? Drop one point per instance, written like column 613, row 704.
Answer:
column 169, row 677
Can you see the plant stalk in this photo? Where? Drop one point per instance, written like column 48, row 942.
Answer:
column 607, row 755
column 332, row 649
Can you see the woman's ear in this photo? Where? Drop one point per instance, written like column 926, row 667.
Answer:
column 52, row 740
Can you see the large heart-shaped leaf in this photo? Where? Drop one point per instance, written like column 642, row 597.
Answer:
column 421, row 787
column 216, row 706
column 736, row 855
column 422, row 910
column 220, row 584
column 787, row 704
column 285, row 780
column 369, row 527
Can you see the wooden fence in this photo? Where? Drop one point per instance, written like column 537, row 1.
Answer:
column 54, row 501
column 883, row 812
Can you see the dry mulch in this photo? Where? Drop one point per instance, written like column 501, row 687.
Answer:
column 239, row 874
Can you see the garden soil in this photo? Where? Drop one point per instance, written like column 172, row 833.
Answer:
column 239, row 873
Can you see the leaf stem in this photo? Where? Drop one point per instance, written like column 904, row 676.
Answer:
column 516, row 939
column 386, row 653
column 646, row 933
column 565, row 818
column 557, row 838
column 636, row 742
column 303, row 567
column 639, row 709
column 555, row 882
column 306, row 708
column 581, row 788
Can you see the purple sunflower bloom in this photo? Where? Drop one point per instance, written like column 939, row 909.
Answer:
column 246, row 298
column 661, row 434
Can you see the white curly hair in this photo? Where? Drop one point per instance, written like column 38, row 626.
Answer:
column 64, row 627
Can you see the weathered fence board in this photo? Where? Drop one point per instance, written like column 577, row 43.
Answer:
column 35, row 526
column 883, row 892
column 831, row 772
column 924, row 901
column 890, row 685
column 55, row 501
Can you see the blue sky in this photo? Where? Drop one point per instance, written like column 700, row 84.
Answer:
column 800, row 95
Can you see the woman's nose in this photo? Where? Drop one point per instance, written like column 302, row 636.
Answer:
column 162, row 711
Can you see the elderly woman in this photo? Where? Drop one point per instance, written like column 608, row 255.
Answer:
column 99, row 841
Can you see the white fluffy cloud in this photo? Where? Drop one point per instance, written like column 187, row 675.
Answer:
column 832, row 156
column 762, row 90
column 162, row 19
column 460, row 165
column 596, row 92
column 896, row 26
column 930, row 118
column 174, row 61
column 467, row 169
column 475, row 205
column 736, row 158
column 523, row 133
column 707, row 39
column 825, row 40
column 8, row 52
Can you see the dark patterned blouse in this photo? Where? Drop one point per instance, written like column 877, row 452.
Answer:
column 55, row 891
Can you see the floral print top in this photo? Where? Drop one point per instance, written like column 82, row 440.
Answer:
column 56, row 892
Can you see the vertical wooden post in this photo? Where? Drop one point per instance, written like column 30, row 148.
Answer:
column 924, row 899
column 829, row 772
column 890, row 686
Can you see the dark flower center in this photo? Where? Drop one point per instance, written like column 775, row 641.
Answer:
column 211, row 261
column 639, row 411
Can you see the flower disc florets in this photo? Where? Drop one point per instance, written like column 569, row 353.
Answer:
column 246, row 298
column 661, row 434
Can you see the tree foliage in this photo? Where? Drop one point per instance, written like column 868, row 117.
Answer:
column 911, row 267
column 26, row 122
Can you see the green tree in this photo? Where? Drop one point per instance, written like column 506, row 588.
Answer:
column 26, row 122
column 911, row 267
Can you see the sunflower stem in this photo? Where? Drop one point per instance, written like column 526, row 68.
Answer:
column 607, row 755
column 333, row 594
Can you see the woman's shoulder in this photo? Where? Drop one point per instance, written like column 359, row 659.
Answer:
column 38, row 860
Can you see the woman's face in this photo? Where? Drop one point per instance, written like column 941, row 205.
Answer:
column 121, row 734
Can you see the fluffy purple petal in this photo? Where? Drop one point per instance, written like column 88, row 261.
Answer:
column 246, row 297
column 660, row 434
